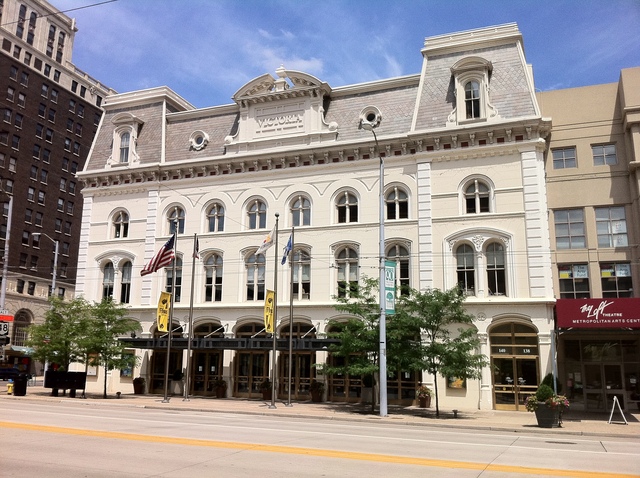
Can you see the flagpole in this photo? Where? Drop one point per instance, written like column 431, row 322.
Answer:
column 291, row 265
column 275, row 318
column 189, row 334
column 170, row 327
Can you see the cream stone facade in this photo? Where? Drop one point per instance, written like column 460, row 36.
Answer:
column 463, row 145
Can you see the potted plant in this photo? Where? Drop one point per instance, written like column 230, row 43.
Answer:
column 317, row 390
column 548, row 406
column 220, row 386
column 265, row 388
column 423, row 394
column 139, row 384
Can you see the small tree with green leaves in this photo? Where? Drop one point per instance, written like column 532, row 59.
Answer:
column 437, row 313
column 59, row 339
column 108, row 323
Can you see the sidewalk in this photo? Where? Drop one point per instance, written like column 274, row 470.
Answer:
column 574, row 422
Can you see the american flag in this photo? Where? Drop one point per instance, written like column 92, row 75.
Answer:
column 162, row 258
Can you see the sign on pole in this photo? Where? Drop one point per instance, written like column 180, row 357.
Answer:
column 4, row 329
column 5, row 316
column 390, row 287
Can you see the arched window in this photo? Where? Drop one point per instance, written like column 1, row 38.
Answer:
column 125, row 139
column 176, row 296
column 21, row 324
column 472, row 99
column 347, row 264
column 255, row 269
column 397, row 203
column 108, row 279
column 125, row 286
column 466, row 269
column 213, row 278
column 496, row 278
column 176, row 214
column 121, row 225
column 400, row 255
column 301, row 263
column 301, row 211
column 347, row 205
column 257, row 214
column 477, row 197
column 215, row 218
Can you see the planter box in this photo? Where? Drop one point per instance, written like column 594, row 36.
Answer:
column 548, row 417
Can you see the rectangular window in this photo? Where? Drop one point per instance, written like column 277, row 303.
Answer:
column 569, row 225
column 13, row 162
column 60, row 204
column 22, row 99
column 39, row 130
column 34, row 173
column 11, row 94
column 20, row 286
column 564, row 158
column 31, row 290
column 36, row 152
column 41, row 197
column 28, row 216
column 58, row 225
column 616, row 280
column 46, row 156
column 611, row 225
column 31, row 194
column 54, row 96
column 23, row 260
column 39, row 217
column 604, row 154
column 574, row 281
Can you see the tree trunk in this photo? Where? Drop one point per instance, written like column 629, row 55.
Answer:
column 435, row 391
column 104, row 394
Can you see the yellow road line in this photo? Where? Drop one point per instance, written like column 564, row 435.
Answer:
column 345, row 455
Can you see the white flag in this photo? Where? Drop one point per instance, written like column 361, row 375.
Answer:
column 267, row 243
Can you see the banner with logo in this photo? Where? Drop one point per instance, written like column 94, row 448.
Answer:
column 163, row 311
column 598, row 313
column 268, row 311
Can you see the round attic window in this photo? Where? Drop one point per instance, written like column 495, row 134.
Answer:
column 198, row 140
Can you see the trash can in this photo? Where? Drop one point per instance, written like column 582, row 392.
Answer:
column 20, row 385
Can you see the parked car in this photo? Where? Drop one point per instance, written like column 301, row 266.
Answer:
column 7, row 373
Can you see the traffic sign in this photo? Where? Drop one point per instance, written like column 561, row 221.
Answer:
column 5, row 316
column 4, row 328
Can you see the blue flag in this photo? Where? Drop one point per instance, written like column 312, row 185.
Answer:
column 287, row 250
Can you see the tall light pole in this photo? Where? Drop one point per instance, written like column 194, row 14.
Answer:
column 370, row 122
column 55, row 261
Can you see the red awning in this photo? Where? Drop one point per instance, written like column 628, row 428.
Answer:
column 598, row 313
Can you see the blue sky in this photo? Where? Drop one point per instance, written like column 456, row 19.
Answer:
column 205, row 50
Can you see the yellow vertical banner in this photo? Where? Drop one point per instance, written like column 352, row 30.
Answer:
column 163, row 311
column 268, row 311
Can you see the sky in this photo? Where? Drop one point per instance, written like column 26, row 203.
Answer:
column 206, row 50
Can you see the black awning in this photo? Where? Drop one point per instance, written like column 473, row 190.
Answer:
column 223, row 343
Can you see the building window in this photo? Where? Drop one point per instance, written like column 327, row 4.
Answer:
column 41, row 197
column 472, row 99
column 400, row 255
column 604, row 154
column 616, row 280
column 39, row 217
column 574, row 281
column 611, row 225
column 564, row 158
column 13, row 162
column 477, row 197
column 20, row 286
column 124, row 147
column 257, row 214
column 496, row 277
column 569, row 226
column 176, row 215
column 215, row 218
column 34, row 173
column 465, row 267
column 213, row 278
column 347, row 264
column 301, row 211
column 347, row 206
column 125, row 285
column 121, row 225
column 31, row 288
column 178, row 267
column 66, row 247
column 22, row 99
column 301, row 263
column 31, row 194
column 397, row 204
column 255, row 270
column 108, row 277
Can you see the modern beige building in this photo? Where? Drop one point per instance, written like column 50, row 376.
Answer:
column 593, row 191
column 464, row 196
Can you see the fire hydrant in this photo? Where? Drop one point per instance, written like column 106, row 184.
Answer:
column 10, row 387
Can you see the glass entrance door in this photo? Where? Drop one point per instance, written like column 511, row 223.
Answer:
column 514, row 380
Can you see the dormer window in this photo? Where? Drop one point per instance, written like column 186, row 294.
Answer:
column 471, row 76
column 125, row 139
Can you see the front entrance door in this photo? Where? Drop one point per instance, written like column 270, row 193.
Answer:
column 301, row 372
column 514, row 380
column 602, row 383
column 207, row 368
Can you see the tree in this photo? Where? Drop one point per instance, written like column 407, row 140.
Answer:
column 59, row 339
column 108, row 322
column 359, row 337
column 437, row 312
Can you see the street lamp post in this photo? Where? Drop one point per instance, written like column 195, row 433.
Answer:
column 55, row 260
column 369, row 122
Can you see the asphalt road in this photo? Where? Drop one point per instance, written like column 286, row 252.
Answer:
column 67, row 440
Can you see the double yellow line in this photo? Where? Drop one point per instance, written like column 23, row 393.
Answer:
column 344, row 455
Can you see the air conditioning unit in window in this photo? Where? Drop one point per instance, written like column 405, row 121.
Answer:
column 305, row 296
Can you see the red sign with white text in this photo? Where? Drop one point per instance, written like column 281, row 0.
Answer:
column 598, row 313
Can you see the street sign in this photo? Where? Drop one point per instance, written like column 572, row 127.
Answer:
column 5, row 316
column 4, row 328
